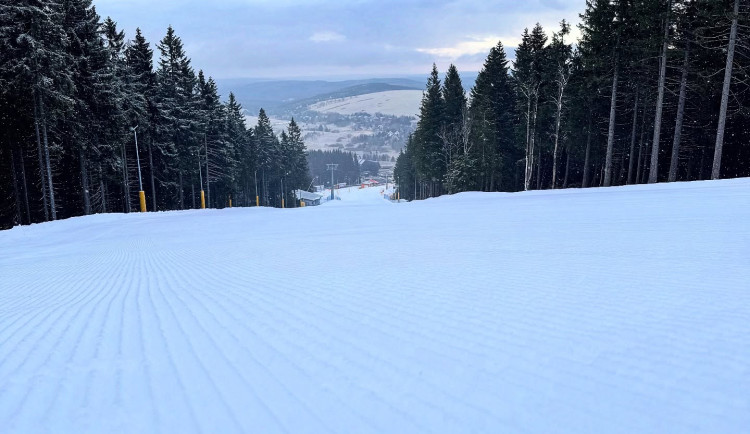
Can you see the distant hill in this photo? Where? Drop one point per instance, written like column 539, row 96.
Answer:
column 400, row 102
column 332, row 114
column 348, row 92
column 289, row 96
column 286, row 95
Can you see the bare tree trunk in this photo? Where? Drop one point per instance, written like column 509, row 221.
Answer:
column 716, row 168
column 47, row 159
column 85, row 183
column 17, row 194
column 631, row 161
column 208, row 175
column 103, row 203
column 182, row 194
column 125, row 181
column 562, row 82
column 151, row 166
column 528, row 141
column 680, row 115
column 532, row 138
column 539, row 170
column 567, row 167
column 586, row 163
column 25, row 186
column 642, row 139
column 41, row 157
column 654, row 170
column 612, row 119
column 192, row 186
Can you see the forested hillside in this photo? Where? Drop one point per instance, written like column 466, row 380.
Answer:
column 75, row 97
column 654, row 91
column 347, row 170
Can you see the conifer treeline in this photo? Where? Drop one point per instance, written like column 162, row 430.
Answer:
column 644, row 96
column 347, row 170
column 74, row 95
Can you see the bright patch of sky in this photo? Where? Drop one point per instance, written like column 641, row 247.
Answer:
column 338, row 38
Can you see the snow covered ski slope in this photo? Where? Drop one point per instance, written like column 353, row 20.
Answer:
column 620, row 310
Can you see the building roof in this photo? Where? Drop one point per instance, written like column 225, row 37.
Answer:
column 306, row 195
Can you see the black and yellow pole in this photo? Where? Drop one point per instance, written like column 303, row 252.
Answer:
column 230, row 201
column 257, row 198
column 282, row 193
column 200, row 174
column 141, row 193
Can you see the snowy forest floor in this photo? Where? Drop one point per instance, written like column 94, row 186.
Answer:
column 601, row 310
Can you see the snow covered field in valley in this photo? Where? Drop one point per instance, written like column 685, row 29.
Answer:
column 619, row 310
column 392, row 102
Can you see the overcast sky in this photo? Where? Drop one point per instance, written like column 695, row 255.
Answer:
column 337, row 38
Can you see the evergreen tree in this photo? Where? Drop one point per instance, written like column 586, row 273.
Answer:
column 405, row 172
column 96, row 126
column 296, row 159
column 176, row 104
column 268, row 155
column 492, row 151
column 428, row 147
column 141, row 81
column 455, row 116
column 529, row 70
column 35, row 62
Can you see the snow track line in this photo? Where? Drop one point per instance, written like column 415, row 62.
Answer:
column 260, row 320
column 141, row 341
column 177, row 375
column 175, row 277
column 189, row 284
column 241, row 344
column 89, row 303
column 352, row 345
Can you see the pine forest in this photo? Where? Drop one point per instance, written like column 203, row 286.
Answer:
column 87, row 120
column 654, row 91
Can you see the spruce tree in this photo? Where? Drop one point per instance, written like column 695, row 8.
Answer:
column 492, row 153
column 142, row 82
column 428, row 146
column 35, row 62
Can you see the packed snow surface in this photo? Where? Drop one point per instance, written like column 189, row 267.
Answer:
column 391, row 102
column 619, row 310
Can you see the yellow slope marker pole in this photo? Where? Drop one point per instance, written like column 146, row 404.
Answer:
column 203, row 200
column 141, row 193
column 230, row 201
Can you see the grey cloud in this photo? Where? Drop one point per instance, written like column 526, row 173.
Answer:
column 255, row 38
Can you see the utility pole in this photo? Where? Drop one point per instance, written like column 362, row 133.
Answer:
column 203, row 194
column 332, row 167
column 141, row 193
column 257, row 198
